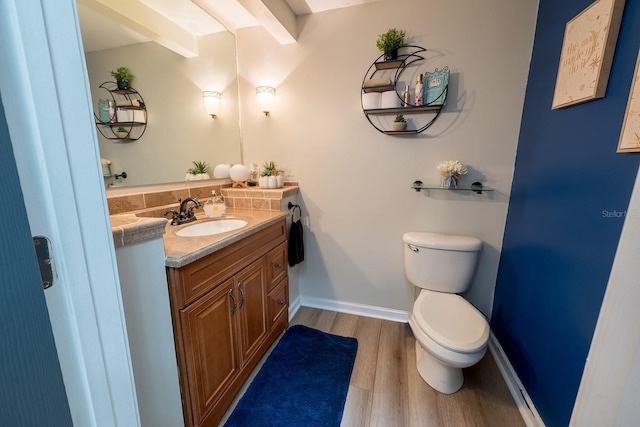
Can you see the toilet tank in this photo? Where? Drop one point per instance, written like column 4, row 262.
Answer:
column 440, row 262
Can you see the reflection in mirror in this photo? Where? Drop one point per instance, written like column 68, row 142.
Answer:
column 179, row 129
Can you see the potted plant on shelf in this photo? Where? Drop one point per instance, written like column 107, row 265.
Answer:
column 399, row 123
column 390, row 42
column 270, row 176
column 122, row 133
column 123, row 77
column 198, row 171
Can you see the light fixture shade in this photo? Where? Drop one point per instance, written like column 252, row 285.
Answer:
column 212, row 102
column 266, row 98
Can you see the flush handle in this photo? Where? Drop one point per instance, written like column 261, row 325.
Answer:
column 413, row 248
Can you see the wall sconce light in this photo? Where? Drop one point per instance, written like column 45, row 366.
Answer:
column 212, row 102
column 266, row 98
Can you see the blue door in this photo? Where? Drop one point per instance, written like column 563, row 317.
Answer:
column 32, row 392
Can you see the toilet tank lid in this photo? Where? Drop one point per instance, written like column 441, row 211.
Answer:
column 452, row 242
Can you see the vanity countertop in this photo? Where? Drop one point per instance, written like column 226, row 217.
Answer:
column 129, row 229
column 181, row 251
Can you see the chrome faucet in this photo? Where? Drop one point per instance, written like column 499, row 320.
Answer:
column 185, row 214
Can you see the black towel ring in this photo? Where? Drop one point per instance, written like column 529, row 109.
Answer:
column 292, row 206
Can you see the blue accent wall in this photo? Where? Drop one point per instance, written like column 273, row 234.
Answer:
column 569, row 192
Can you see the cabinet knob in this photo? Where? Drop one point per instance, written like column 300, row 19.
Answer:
column 281, row 301
column 279, row 265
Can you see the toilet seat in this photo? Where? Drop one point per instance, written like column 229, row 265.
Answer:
column 451, row 321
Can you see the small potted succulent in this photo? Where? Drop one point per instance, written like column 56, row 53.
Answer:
column 390, row 42
column 270, row 176
column 123, row 77
column 198, row 171
column 399, row 123
column 122, row 133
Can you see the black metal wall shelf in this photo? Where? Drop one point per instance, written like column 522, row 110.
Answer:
column 409, row 55
column 127, row 104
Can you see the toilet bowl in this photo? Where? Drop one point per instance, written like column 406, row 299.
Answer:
column 450, row 335
column 450, row 332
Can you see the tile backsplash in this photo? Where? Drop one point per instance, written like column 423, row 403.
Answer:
column 155, row 203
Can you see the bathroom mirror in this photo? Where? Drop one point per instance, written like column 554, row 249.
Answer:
column 179, row 130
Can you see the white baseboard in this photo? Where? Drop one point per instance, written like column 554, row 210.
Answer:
column 520, row 395
column 294, row 306
column 358, row 309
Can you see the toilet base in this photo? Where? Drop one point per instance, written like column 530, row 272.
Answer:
column 443, row 378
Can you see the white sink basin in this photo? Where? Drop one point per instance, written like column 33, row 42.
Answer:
column 212, row 227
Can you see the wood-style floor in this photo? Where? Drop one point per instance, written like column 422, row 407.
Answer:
column 387, row 391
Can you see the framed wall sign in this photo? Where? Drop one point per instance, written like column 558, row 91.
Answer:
column 587, row 52
column 630, row 134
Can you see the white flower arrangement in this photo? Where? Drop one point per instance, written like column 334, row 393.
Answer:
column 451, row 168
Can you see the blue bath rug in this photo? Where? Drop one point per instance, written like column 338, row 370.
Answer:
column 304, row 382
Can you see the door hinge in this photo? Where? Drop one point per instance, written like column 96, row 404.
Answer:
column 45, row 262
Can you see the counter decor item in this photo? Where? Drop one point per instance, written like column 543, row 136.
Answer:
column 198, row 172
column 215, row 206
column 399, row 123
column 123, row 77
column 271, row 176
column 390, row 42
column 221, row 171
column 239, row 175
column 450, row 171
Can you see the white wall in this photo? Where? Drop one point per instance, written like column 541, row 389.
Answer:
column 354, row 181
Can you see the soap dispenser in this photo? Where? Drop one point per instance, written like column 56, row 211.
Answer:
column 215, row 206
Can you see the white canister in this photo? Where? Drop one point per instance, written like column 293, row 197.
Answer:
column 371, row 100
column 221, row 171
column 390, row 99
column 239, row 173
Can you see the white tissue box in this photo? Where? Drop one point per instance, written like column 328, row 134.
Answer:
column 139, row 116
column 124, row 115
column 390, row 99
column 371, row 100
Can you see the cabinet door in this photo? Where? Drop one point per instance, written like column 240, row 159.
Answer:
column 251, row 285
column 209, row 331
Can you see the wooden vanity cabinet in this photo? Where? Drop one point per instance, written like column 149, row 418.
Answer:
column 227, row 310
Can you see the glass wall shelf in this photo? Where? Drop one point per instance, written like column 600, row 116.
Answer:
column 476, row 187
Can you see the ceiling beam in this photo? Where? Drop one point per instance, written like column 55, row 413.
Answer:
column 275, row 16
column 202, row 4
column 146, row 21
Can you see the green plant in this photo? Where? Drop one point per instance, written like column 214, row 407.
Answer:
column 269, row 169
column 392, row 39
column 399, row 118
column 198, row 167
column 121, row 129
column 122, row 74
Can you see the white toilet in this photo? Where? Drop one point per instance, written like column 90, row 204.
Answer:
column 450, row 333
